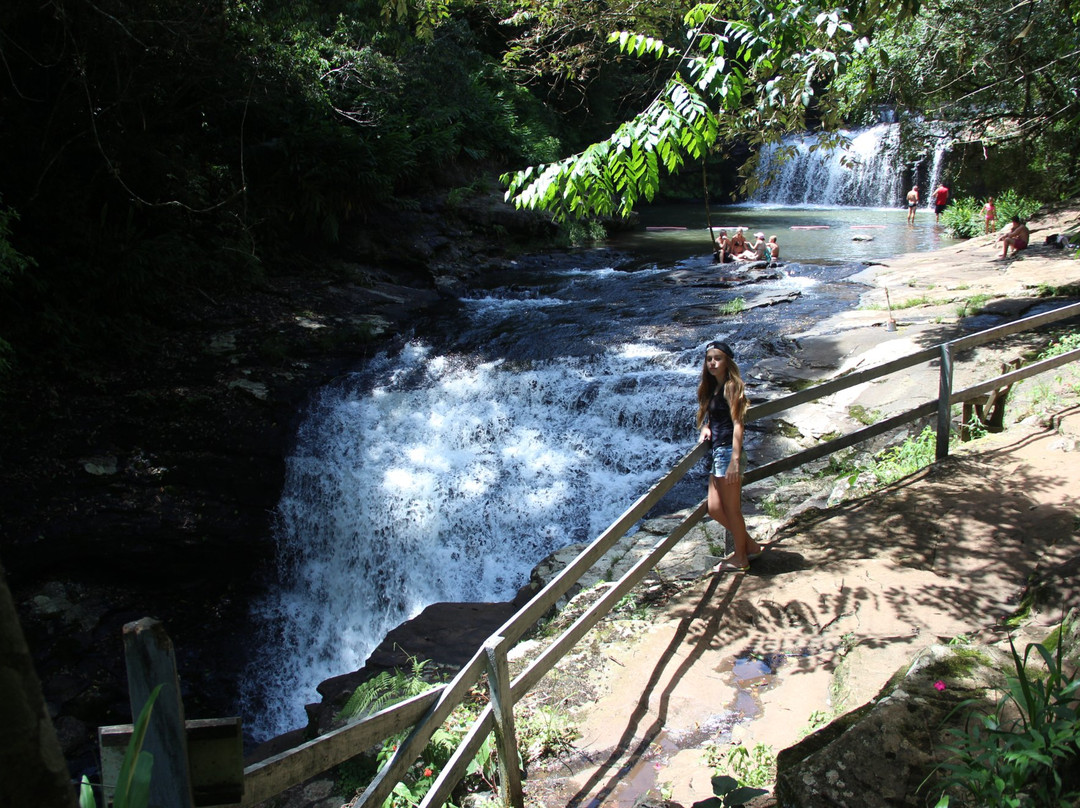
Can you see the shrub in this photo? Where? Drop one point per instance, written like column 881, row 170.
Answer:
column 1030, row 759
column 963, row 218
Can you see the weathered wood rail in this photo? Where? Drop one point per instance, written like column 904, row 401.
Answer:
column 427, row 712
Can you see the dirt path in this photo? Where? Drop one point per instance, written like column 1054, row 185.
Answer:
column 860, row 588
column 843, row 597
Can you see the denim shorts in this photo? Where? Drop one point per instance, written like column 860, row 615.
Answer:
column 721, row 459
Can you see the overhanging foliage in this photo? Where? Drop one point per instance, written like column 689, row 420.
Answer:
column 752, row 76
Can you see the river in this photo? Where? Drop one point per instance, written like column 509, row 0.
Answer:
column 520, row 419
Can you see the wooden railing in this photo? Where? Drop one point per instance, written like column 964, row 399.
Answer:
column 427, row 712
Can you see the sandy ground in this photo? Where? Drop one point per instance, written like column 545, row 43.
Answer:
column 844, row 597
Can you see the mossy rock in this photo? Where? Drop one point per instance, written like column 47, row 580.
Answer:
column 886, row 752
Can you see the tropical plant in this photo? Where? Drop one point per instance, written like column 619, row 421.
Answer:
column 1027, row 751
column 1011, row 204
column 963, row 218
column 387, row 688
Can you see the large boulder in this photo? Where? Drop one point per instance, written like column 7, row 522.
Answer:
column 886, row 753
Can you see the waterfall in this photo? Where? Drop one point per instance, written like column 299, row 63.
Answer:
column 941, row 147
column 796, row 171
column 870, row 172
column 431, row 477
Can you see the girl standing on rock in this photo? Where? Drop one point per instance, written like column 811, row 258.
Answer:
column 722, row 406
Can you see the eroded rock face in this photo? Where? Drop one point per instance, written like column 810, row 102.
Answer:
column 886, row 752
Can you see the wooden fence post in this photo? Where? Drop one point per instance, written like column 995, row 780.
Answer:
column 944, row 412
column 148, row 654
column 502, row 703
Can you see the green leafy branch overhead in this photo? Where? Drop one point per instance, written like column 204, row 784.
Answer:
column 751, row 79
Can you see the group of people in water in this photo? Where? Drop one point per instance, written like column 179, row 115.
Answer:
column 737, row 248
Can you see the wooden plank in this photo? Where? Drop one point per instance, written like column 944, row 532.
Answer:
column 1015, row 327
column 270, row 777
column 502, row 705
column 944, row 413
column 527, row 679
column 814, row 452
column 148, row 654
column 409, row 750
column 215, row 752
column 458, row 765
column 827, row 388
column 1013, row 376
column 777, row 405
column 539, row 605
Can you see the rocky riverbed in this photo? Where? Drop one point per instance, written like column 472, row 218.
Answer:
column 853, row 586
column 174, row 465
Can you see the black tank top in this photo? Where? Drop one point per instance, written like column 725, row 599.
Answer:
column 720, row 423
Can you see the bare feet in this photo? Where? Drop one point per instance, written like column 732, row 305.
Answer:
column 730, row 565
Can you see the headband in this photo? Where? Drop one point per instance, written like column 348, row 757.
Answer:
column 723, row 347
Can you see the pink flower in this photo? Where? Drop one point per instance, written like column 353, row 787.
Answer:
column 939, row 685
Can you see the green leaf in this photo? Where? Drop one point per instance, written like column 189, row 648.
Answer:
column 86, row 794
column 132, row 769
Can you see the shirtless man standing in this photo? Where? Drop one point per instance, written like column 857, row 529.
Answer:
column 912, row 203
column 1016, row 236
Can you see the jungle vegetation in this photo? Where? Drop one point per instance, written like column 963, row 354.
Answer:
column 161, row 149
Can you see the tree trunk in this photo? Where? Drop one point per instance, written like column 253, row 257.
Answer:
column 35, row 773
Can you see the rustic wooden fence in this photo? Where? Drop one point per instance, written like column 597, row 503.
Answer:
column 218, row 779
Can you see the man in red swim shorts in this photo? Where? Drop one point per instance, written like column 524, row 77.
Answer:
column 941, row 199
column 1016, row 237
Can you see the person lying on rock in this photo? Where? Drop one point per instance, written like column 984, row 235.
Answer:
column 1017, row 237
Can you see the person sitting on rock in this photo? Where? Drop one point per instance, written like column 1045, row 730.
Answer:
column 723, row 247
column 1017, row 237
column 774, row 248
column 758, row 252
column 738, row 243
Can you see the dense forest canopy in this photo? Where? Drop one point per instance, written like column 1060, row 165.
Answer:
column 754, row 71
column 163, row 148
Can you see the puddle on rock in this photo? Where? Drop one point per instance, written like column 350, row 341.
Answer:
column 642, row 777
column 752, row 673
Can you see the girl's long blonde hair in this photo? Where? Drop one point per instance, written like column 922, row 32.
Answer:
column 734, row 391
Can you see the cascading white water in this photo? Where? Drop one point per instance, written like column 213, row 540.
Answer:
column 867, row 174
column 428, row 478
column 936, row 164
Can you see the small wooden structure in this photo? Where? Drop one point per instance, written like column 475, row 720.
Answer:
column 988, row 410
column 196, row 763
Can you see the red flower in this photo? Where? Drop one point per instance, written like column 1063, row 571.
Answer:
column 428, row 772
